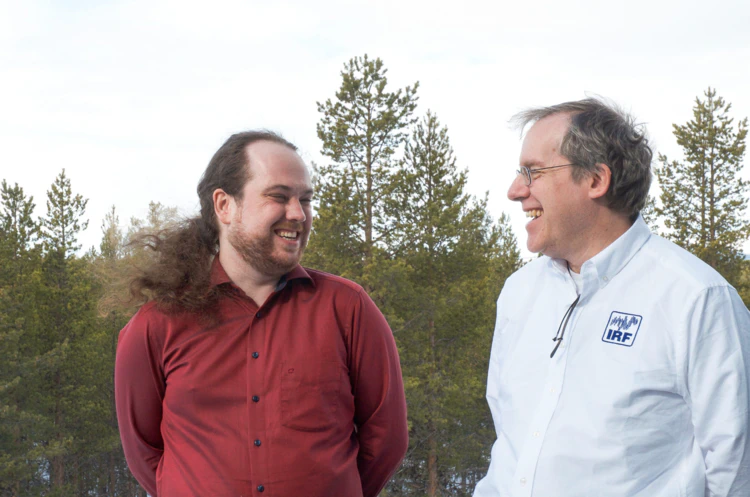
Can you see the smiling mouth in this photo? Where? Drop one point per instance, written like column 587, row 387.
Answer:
column 534, row 213
column 288, row 235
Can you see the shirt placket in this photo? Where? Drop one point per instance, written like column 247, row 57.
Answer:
column 523, row 478
column 256, row 404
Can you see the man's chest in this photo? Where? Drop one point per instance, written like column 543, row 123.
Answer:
column 618, row 356
column 272, row 356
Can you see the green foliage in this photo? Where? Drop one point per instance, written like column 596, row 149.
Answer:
column 457, row 260
column 703, row 198
column 743, row 282
column 112, row 243
column 19, row 262
column 393, row 215
column 58, row 431
column 649, row 214
column 63, row 222
column 159, row 217
column 361, row 131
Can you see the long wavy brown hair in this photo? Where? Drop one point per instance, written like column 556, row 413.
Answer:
column 178, row 275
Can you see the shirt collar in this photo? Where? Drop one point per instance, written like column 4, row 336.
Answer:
column 610, row 261
column 219, row 275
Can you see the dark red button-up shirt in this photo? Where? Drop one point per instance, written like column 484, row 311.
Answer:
column 302, row 396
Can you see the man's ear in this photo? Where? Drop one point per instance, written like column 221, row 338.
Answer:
column 223, row 204
column 599, row 181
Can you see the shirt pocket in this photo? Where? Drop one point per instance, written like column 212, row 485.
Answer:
column 309, row 395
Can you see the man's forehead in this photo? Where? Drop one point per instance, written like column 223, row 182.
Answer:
column 553, row 126
column 544, row 137
column 265, row 150
column 303, row 188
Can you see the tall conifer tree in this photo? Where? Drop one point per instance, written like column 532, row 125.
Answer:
column 703, row 200
column 361, row 130
column 111, row 246
column 457, row 261
column 393, row 215
column 19, row 263
column 67, row 317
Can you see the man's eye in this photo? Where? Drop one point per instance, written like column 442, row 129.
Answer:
column 305, row 200
column 279, row 198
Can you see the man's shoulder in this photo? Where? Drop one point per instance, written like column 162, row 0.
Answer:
column 148, row 318
column 154, row 316
column 528, row 279
column 539, row 266
column 667, row 260
column 149, row 311
column 332, row 283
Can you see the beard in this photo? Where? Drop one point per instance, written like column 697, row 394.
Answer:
column 258, row 252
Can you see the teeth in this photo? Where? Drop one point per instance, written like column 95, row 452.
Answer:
column 534, row 213
column 289, row 235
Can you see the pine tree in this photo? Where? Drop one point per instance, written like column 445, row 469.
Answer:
column 58, row 429
column 66, row 305
column 457, row 260
column 111, row 246
column 703, row 198
column 158, row 217
column 392, row 214
column 361, row 132
column 19, row 263
column 63, row 222
column 106, row 466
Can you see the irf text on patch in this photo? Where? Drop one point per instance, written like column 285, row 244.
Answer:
column 622, row 328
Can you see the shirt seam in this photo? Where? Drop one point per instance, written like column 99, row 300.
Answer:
column 682, row 358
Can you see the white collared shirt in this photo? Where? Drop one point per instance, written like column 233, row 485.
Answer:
column 648, row 394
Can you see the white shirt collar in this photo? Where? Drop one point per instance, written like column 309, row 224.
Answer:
column 610, row 261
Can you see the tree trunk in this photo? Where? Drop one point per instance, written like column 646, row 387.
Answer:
column 17, row 443
column 368, row 211
column 112, row 475
column 77, row 480
column 58, row 462
column 432, row 470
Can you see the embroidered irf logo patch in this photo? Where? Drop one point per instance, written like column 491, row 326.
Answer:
column 622, row 328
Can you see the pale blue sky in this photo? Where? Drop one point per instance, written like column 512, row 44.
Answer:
column 133, row 97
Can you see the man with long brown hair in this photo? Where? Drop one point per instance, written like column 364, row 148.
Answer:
column 244, row 372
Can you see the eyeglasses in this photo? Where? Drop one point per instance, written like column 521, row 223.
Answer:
column 526, row 171
column 563, row 324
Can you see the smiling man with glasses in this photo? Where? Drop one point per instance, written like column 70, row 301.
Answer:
column 620, row 364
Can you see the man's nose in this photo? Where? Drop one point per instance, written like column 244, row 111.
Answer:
column 518, row 190
column 295, row 211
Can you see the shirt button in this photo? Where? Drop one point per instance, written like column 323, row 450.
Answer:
column 258, row 314
column 261, row 488
column 536, row 434
column 257, row 443
column 523, row 482
column 551, row 390
column 255, row 355
column 604, row 278
column 256, row 398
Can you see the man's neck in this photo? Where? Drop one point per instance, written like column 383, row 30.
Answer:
column 256, row 285
column 601, row 235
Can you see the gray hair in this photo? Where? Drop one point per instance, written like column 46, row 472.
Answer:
column 601, row 133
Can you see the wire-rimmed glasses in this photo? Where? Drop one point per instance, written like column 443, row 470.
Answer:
column 526, row 171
